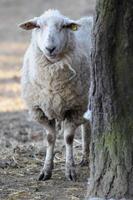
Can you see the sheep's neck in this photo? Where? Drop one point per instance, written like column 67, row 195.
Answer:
column 53, row 75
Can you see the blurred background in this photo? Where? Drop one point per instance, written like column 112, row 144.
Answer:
column 15, row 129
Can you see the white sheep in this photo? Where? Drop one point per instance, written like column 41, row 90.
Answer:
column 55, row 81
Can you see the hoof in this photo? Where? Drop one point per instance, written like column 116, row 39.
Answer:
column 71, row 174
column 44, row 176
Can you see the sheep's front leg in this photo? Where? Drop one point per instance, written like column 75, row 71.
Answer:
column 86, row 136
column 69, row 130
column 38, row 115
column 46, row 172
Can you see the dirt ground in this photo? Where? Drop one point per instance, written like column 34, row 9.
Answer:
column 22, row 142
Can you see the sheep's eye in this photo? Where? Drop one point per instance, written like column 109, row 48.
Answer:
column 38, row 27
column 63, row 26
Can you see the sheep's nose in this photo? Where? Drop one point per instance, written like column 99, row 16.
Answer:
column 50, row 49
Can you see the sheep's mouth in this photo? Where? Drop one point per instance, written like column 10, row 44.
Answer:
column 52, row 58
column 55, row 55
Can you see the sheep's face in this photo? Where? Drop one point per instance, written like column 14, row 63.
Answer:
column 54, row 34
column 55, row 37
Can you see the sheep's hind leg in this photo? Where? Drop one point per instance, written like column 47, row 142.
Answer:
column 69, row 130
column 86, row 136
column 46, row 172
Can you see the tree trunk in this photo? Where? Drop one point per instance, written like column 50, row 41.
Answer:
column 111, row 162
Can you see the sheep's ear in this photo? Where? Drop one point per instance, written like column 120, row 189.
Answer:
column 31, row 24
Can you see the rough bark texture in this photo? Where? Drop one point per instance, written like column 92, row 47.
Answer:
column 112, row 101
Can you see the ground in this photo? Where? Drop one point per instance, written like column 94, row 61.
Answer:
column 22, row 151
column 23, row 142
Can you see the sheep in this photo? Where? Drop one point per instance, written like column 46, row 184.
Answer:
column 55, row 82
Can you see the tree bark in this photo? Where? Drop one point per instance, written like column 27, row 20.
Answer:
column 111, row 164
